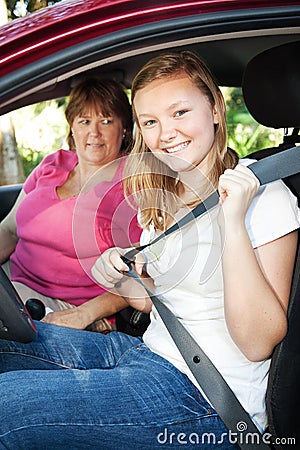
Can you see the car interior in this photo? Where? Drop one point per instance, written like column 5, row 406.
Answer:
column 268, row 69
column 271, row 93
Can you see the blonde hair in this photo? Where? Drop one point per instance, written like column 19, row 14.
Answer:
column 154, row 185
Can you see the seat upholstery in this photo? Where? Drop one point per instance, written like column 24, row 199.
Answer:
column 8, row 196
column 271, row 87
column 271, row 90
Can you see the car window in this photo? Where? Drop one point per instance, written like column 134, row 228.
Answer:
column 41, row 129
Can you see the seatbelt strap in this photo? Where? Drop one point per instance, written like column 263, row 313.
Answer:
column 240, row 425
column 280, row 165
column 271, row 168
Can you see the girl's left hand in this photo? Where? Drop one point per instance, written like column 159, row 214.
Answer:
column 237, row 187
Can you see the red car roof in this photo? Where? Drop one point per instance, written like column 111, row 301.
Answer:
column 64, row 24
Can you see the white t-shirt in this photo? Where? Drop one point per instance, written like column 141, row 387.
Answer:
column 187, row 273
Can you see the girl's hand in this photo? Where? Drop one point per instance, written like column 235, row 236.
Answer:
column 237, row 187
column 109, row 268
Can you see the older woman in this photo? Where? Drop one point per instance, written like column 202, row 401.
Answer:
column 71, row 207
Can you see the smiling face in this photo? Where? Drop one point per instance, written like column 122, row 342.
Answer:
column 177, row 122
column 97, row 137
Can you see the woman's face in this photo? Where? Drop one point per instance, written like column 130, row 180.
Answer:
column 97, row 137
column 177, row 122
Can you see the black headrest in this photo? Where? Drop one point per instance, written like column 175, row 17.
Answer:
column 271, row 86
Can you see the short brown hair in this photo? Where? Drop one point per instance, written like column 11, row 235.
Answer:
column 107, row 95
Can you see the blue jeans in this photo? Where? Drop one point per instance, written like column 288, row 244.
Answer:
column 72, row 389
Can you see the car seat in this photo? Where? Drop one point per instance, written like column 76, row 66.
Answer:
column 271, row 92
column 8, row 196
column 271, row 87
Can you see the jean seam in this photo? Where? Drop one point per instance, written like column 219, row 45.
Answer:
column 125, row 353
column 41, row 359
column 147, row 424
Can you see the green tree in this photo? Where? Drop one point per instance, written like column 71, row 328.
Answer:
column 245, row 135
column 40, row 129
column 19, row 8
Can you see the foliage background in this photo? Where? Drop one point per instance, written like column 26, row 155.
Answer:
column 19, row 8
column 39, row 129
column 245, row 135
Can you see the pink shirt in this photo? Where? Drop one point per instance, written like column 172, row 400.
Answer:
column 60, row 239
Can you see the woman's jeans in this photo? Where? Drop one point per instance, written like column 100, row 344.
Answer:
column 72, row 389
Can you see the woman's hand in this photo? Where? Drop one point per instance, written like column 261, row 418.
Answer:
column 237, row 188
column 102, row 306
column 72, row 318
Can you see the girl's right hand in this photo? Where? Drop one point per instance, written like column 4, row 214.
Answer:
column 109, row 268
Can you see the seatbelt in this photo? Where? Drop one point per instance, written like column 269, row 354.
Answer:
column 271, row 168
column 241, row 428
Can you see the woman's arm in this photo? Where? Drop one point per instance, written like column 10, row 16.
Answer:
column 256, row 282
column 104, row 305
column 8, row 231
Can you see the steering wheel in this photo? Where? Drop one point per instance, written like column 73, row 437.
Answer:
column 16, row 323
